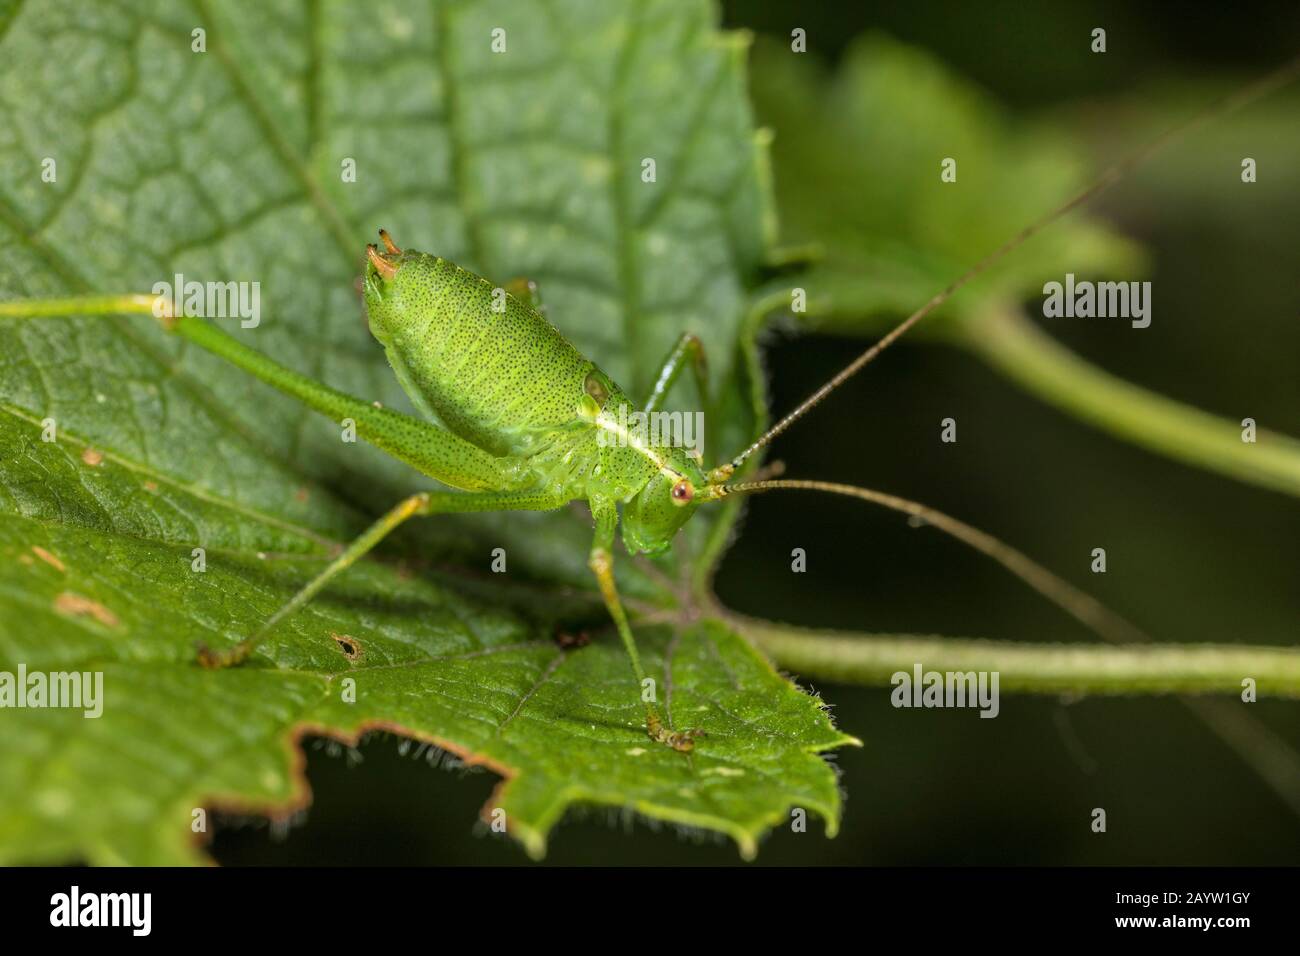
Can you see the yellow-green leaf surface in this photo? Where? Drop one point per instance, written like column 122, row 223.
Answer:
column 227, row 164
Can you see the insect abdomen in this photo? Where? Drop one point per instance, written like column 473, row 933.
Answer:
column 498, row 377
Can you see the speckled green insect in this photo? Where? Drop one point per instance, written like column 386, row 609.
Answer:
column 523, row 413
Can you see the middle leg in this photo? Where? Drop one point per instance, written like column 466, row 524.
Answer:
column 601, row 563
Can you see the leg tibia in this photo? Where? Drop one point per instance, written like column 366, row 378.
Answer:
column 688, row 348
column 601, row 563
column 425, row 503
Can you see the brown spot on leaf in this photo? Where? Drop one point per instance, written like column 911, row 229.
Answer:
column 74, row 605
column 92, row 457
column 350, row 646
column 151, row 486
column 572, row 639
column 48, row 558
column 301, row 494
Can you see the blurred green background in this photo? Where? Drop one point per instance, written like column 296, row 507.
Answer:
column 1192, row 556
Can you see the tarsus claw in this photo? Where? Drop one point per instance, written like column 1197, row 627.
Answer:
column 683, row 741
column 215, row 660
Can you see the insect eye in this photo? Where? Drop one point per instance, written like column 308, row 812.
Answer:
column 682, row 492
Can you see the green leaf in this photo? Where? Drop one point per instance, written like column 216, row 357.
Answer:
column 226, row 165
column 858, row 155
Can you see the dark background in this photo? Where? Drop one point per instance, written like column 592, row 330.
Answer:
column 1192, row 556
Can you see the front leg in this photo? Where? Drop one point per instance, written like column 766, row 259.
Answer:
column 688, row 349
column 601, row 563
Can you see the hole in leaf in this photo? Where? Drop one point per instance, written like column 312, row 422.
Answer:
column 350, row 646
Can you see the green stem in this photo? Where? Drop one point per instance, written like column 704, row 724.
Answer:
column 1031, row 668
column 1011, row 343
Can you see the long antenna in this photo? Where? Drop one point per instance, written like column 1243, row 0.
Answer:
column 1278, row 78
